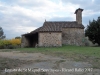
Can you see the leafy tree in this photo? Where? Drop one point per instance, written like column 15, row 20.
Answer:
column 18, row 37
column 1, row 33
column 93, row 31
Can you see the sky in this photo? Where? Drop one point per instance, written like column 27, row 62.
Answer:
column 18, row 17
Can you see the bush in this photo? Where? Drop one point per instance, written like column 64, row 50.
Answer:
column 15, row 41
column 10, row 44
column 93, row 31
column 87, row 42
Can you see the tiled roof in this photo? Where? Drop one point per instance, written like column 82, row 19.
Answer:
column 57, row 26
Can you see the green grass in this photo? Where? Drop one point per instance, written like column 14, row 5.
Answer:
column 77, row 53
column 82, row 50
column 89, row 51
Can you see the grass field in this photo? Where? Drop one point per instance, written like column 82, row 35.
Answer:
column 77, row 53
column 88, row 51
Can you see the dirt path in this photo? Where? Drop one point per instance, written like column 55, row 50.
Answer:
column 52, row 65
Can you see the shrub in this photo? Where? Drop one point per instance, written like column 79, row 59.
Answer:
column 15, row 41
column 87, row 42
column 10, row 44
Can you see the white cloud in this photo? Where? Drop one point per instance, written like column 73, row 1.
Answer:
column 23, row 16
column 21, row 29
column 90, row 12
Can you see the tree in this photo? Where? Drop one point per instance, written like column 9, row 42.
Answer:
column 17, row 37
column 1, row 33
column 93, row 31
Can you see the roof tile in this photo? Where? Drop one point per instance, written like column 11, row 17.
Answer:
column 54, row 26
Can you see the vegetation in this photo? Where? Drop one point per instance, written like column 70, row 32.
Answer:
column 17, row 37
column 12, row 43
column 67, row 50
column 9, row 44
column 93, row 31
column 1, row 33
column 77, row 53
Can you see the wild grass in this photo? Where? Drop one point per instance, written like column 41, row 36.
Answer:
column 77, row 53
column 82, row 50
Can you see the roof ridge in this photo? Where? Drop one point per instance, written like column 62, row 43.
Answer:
column 56, row 26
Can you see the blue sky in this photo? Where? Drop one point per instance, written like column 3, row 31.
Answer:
column 22, row 16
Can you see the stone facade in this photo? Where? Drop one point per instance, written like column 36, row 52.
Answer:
column 72, row 36
column 24, row 42
column 57, row 33
column 50, row 39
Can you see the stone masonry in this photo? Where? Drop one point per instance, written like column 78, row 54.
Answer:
column 72, row 36
column 57, row 33
column 24, row 42
column 50, row 39
column 78, row 13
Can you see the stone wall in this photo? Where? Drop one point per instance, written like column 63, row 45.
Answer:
column 24, row 42
column 79, row 17
column 73, row 36
column 50, row 39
